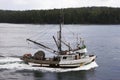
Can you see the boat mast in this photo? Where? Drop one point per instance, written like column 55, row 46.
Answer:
column 60, row 31
column 60, row 36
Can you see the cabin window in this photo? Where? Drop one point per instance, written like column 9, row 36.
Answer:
column 64, row 57
column 78, row 52
column 76, row 57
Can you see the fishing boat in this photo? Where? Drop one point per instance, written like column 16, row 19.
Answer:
column 69, row 58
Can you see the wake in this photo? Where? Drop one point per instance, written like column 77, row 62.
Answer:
column 17, row 64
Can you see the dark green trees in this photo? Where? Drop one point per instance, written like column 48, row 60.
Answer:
column 89, row 15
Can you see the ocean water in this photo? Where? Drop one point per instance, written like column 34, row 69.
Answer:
column 101, row 40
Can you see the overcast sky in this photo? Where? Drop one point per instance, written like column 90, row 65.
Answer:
column 51, row 4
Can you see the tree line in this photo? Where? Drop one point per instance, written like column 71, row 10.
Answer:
column 85, row 15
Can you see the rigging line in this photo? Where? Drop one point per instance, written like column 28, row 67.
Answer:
column 36, row 34
column 74, row 34
column 63, row 38
column 42, row 45
column 42, row 31
column 42, row 34
column 46, row 32
column 66, row 41
column 69, row 29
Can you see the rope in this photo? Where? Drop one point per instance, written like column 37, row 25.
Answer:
column 44, row 32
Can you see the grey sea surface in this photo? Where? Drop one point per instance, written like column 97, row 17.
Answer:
column 101, row 40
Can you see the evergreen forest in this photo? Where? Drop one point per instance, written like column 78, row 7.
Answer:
column 85, row 15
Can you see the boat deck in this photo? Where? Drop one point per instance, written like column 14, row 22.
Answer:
column 40, row 61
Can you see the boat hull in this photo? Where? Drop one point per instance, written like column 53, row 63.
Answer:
column 61, row 64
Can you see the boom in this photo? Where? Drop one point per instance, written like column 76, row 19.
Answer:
column 54, row 51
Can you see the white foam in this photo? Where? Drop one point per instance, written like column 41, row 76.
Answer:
column 9, row 59
column 19, row 65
